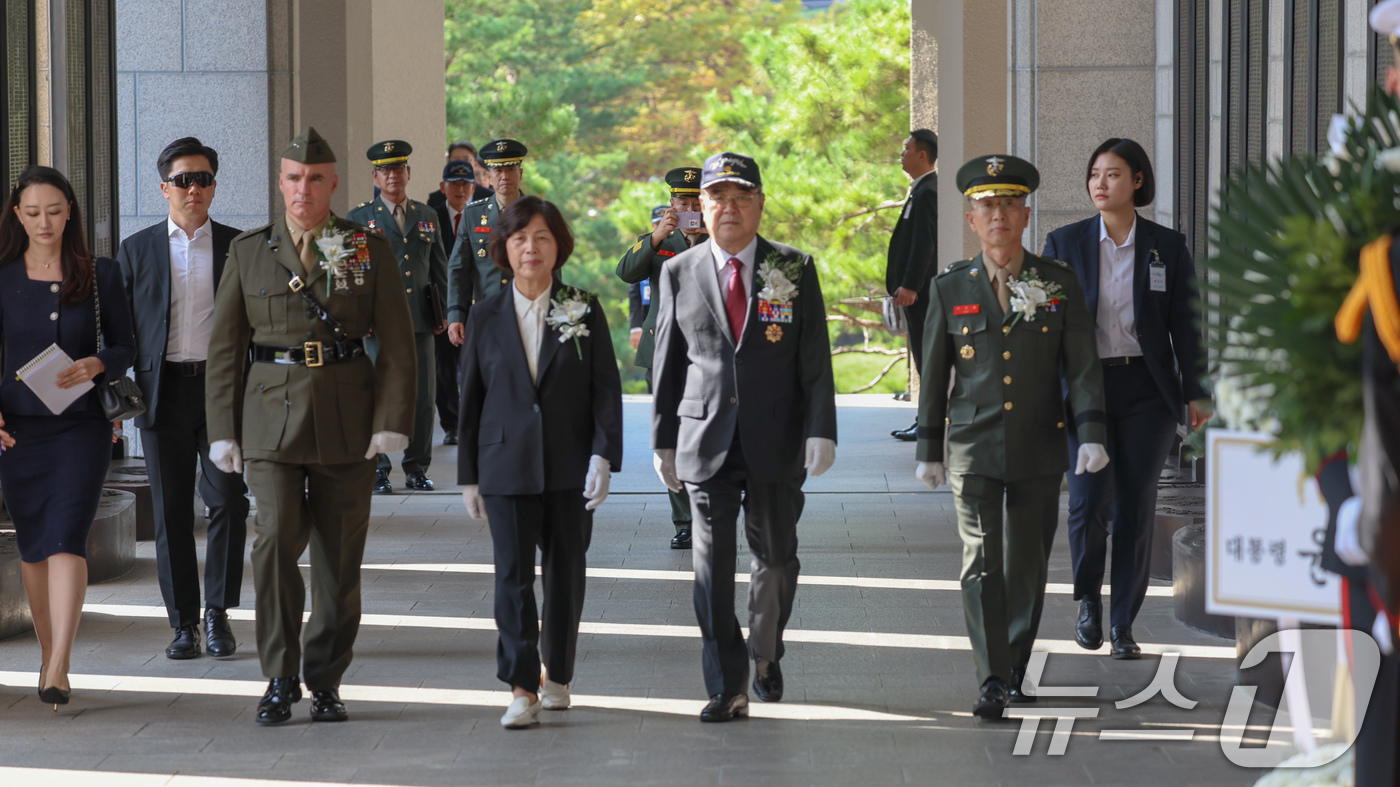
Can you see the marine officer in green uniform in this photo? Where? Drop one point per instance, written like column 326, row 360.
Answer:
column 1006, row 322
column 310, row 413
column 642, row 263
column 412, row 229
column 471, row 275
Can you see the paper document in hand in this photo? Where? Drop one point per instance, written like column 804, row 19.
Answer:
column 41, row 375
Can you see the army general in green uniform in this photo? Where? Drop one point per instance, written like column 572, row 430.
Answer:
column 310, row 413
column 471, row 275
column 1007, row 322
column 643, row 262
column 413, row 232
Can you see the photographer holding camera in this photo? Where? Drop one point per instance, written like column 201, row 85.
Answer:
column 679, row 227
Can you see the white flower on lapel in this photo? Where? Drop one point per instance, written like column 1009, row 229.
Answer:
column 566, row 314
column 1031, row 293
column 332, row 252
column 779, row 278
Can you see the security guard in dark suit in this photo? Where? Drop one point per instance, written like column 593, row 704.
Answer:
column 310, row 412
column 1007, row 322
column 642, row 264
column 471, row 275
column 412, row 229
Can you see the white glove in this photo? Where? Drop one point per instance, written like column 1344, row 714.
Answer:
column 471, row 498
column 821, row 454
column 386, row 443
column 1348, row 541
column 595, row 484
column 933, row 474
column 1093, row 457
column 664, row 460
column 226, row 456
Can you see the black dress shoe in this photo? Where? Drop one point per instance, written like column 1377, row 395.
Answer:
column 681, row 540
column 419, row 482
column 907, row 435
column 1124, row 646
column 450, row 438
column 767, row 680
column 726, row 707
column 275, row 706
column 218, row 637
column 1014, row 692
column 186, row 643
column 1088, row 632
column 381, row 483
column 993, row 700
column 326, row 706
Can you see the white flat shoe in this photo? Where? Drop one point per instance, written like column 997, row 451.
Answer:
column 554, row 696
column 521, row 714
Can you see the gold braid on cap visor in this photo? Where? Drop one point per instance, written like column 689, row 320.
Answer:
column 684, row 192
column 503, row 162
column 996, row 190
column 384, row 162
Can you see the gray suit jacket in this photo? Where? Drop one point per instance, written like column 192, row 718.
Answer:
column 774, row 386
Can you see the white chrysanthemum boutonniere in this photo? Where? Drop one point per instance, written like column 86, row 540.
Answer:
column 779, row 278
column 332, row 252
column 1031, row 293
column 566, row 312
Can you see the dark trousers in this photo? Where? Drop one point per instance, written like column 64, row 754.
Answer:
column 916, row 313
column 447, row 355
column 1121, row 498
column 419, row 454
column 771, row 511
column 561, row 528
column 175, row 448
column 326, row 507
column 1378, row 736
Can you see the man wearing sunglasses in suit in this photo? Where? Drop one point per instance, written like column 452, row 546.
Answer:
column 171, row 270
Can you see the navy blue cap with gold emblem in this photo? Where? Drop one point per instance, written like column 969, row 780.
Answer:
column 684, row 181
column 389, row 152
column 503, row 152
column 730, row 168
column 997, row 176
column 458, row 171
column 657, row 212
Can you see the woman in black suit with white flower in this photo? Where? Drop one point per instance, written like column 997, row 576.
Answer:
column 540, row 429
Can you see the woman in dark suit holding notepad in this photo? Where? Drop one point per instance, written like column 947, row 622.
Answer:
column 53, row 464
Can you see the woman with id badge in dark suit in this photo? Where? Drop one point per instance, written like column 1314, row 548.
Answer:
column 1140, row 284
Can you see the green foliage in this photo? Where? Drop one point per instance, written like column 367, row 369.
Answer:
column 1290, row 236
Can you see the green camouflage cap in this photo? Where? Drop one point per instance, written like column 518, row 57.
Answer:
column 309, row 147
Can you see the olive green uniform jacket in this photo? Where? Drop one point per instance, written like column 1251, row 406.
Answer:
column 642, row 262
column 419, row 252
column 471, row 273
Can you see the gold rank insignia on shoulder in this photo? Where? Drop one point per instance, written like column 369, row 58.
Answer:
column 638, row 247
column 967, row 352
column 774, row 333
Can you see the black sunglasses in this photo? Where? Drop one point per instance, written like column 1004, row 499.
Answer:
column 183, row 180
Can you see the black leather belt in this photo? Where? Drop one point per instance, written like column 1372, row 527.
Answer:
column 184, row 368
column 311, row 354
column 1122, row 360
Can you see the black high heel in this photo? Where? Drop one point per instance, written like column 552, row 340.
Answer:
column 54, row 696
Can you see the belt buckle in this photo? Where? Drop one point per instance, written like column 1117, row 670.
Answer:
column 313, row 349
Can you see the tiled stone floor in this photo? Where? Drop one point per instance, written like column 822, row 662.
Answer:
column 879, row 679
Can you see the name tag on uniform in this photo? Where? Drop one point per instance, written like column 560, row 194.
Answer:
column 968, row 308
column 646, row 293
column 1157, row 274
column 775, row 311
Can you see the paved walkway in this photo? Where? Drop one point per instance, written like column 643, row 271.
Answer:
column 879, row 677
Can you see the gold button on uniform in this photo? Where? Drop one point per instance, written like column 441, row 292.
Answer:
column 1060, row 425
column 407, row 273
column 947, row 422
column 1006, row 356
column 1006, row 379
column 1044, row 329
column 1007, row 406
column 964, row 329
column 1006, row 329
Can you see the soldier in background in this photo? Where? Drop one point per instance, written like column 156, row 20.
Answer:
column 471, row 275
column 310, row 413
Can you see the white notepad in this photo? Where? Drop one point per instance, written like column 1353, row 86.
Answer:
column 41, row 375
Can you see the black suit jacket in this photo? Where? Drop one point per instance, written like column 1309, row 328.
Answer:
column 914, row 243
column 144, row 259
column 446, row 233
column 1166, row 321
column 774, row 387
column 519, row 437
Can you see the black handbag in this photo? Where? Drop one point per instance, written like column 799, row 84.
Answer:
column 120, row 398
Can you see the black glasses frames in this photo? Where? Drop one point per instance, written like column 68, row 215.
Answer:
column 183, row 180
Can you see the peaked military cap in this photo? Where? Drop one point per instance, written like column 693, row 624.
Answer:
column 657, row 212
column 389, row 152
column 309, row 147
column 458, row 170
column 997, row 176
column 684, row 181
column 730, row 168
column 503, row 152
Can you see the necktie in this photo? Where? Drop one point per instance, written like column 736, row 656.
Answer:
column 306, row 250
column 399, row 217
column 734, row 301
column 1003, row 288
column 456, row 222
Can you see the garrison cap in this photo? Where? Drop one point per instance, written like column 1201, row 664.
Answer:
column 997, row 176
column 1385, row 18
column 309, row 148
column 730, row 168
column 389, row 152
column 657, row 212
column 458, row 170
column 685, row 181
column 503, row 152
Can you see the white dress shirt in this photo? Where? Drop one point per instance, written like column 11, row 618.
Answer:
column 191, row 293
column 1116, row 329
column 913, row 184
column 529, row 316
column 746, row 263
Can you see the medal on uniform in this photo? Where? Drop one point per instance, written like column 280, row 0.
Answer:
column 360, row 261
column 774, row 333
column 967, row 352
